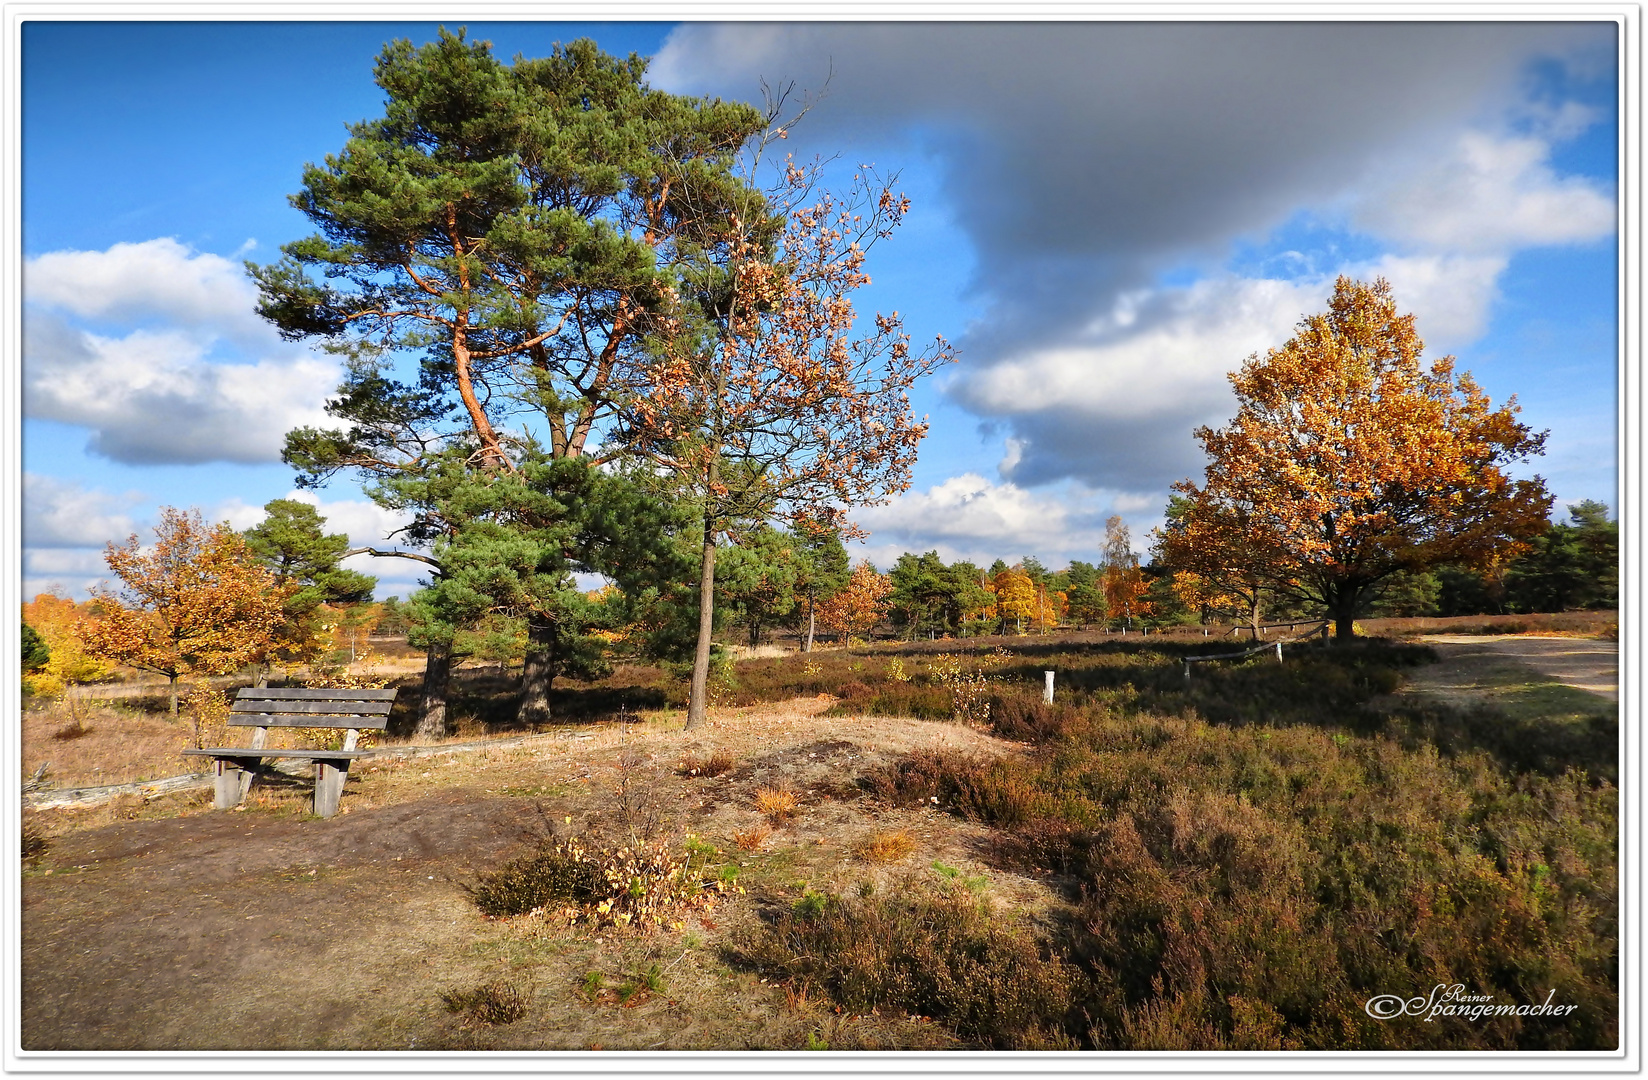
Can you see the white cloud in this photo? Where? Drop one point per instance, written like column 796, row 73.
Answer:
column 1489, row 195
column 159, row 351
column 159, row 396
column 1450, row 296
column 157, row 279
column 1116, row 406
column 70, row 571
column 970, row 517
column 1162, row 350
column 63, row 514
column 67, row 561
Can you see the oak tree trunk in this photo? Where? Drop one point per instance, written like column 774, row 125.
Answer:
column 1343, row 606
column 706, row 626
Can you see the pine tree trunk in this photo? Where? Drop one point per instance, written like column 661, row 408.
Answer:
column 812, row 622
column 432, row 708
column 706, row 626
column 537, row 674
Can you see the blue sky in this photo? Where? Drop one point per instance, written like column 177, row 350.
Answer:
column 1107, row 219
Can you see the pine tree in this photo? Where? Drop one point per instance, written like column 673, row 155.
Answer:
column 291, row 543
column 524, row 231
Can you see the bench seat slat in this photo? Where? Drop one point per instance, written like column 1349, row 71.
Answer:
column 308, row 693
column 351, row 708
column 247, row 752
column 374, row 723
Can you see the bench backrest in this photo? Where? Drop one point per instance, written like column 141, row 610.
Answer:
column 311, row 707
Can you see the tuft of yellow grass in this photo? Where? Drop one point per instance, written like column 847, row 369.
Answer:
column 886, row 847
column 777, row 805
column 753, row 839
column 718, row 762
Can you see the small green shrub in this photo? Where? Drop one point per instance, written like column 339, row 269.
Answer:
column 551, row 875
column 642, row 886
column 810, row 905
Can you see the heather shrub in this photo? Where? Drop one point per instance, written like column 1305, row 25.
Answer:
column 1027, row 718
column 639, row 886
column 928, row 949
column 1252, row 887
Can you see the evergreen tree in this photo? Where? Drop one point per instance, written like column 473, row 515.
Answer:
column 36, row 653
column 924, row 595
column 822, row 571
column 758, row 580
column 292, row 545
column 511, row 543
column 972, row 602
column 1573, row 564
column 523, row 230
column 1085, row 590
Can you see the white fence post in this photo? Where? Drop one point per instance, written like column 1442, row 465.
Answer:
column 1278, row 652
column 1047, row 694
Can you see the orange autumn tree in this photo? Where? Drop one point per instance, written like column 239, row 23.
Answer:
column 1015, row 597
column 1216, row 566
column 1124, row 584
column 62, row 623
column 1051, row 606
column 763, row 402
column 1348, row 461
column 195, row 603
column 859, row 608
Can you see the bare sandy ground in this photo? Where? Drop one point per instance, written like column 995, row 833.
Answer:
column 1584, row 663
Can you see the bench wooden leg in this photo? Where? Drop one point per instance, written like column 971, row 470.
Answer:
column 230, row 782
column 329, row 779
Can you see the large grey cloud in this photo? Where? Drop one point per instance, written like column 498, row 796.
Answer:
column 1083, row 159
column 157, row 350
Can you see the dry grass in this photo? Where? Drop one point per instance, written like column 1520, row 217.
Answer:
column 886, row 847
column 491, row 1003
column 752, row 839
column 97, row 743
column 777, row 805
column 718, row 762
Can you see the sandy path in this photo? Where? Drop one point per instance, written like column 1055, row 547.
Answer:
column 1584, row 663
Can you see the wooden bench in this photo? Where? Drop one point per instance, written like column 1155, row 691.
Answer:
column 262, row 708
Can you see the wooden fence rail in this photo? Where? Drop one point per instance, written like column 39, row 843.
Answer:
column 1318, row 628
